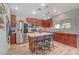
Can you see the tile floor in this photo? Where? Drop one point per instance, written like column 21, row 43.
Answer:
column 59, row 49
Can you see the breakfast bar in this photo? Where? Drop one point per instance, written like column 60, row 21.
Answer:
column 33, row 36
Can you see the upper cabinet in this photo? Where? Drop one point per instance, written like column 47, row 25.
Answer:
column 34, row 21
column 47, row 23
column 13, row 20
column 40, row 22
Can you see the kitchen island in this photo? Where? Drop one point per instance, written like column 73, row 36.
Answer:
column 32, row 37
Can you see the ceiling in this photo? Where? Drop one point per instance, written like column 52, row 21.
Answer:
column 26, row 9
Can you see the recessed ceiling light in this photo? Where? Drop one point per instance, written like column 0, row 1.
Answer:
column 16, row 8
column 33, row 12
column 55, row 10
column 48, row 17
column 42, row 4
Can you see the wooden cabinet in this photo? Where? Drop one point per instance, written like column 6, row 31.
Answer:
column 13, row 20
column 34, row 21
column 57, row 37
column 43, row 23
column 13, row 38
column 47, row 23
column 50, row 22
column 73, row 40
column 68, row 39
column 39, row 22
column 31, row 44
column 32, row 37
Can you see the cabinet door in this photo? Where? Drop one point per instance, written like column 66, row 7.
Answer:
column 31, row 44
column 13, row 20
column 47, row 23
column 65, row 39
column 73, row 40
column 61, row 38
column 58, row 37
column 43, row 23
column 54, row 36
column 51, row 23
column 39, row 23
column 12, row 38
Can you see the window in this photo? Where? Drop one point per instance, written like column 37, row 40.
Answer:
column 63, row 25
column 57, row 26
column 66, row 25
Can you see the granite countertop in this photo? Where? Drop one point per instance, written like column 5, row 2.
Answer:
column 51, row 30
column 35, row 34
column 69, row 32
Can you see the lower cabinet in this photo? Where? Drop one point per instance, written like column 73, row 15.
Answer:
column 31, row 44
column 73, row 40
column 13, row 38
column 68, row 39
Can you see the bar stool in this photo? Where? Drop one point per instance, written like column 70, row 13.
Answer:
column 47, row 43
column 38, row 45
column 51, row 41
